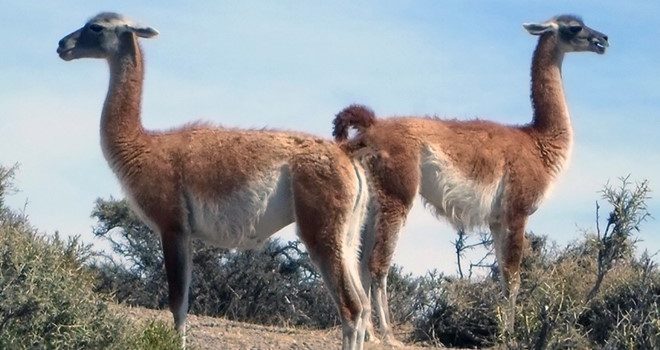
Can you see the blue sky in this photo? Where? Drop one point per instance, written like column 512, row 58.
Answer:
column 293, row 64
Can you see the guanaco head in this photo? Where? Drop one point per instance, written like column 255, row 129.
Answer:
column 101, row 37
column 572, row 34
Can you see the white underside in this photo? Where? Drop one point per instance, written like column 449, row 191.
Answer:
column 358, row 217
column 246, row 217
column 465, row 203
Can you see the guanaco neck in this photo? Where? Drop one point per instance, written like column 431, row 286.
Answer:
column 548, row 101
column 122, row 134
column 551, row 125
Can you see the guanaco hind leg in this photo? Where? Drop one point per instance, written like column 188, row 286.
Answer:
column 509, row 243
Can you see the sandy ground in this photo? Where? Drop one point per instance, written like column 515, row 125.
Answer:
column 217, row 333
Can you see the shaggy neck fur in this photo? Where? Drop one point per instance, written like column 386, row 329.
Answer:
column 122, row 133
column 551, row 123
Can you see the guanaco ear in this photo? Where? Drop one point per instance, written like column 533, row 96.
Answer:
column 540, row 28
column 142, row 31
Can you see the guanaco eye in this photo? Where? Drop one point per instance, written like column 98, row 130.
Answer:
column 575, row 28
column 95, row 28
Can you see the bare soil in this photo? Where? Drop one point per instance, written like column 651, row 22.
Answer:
column 206, row 332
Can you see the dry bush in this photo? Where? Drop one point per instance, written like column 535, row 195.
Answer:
column 627, row 313
column 46, row 295
column 410, row 296
column 8, row 217
column 276, row 284
column 553, row 309
column 461, row 313
column 592, row 293
column 554, row 285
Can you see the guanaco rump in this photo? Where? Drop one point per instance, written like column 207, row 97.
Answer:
column 475, row 174
column 228, row 187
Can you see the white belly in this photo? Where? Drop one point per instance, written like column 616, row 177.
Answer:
column 248, row 216
column 465, row 203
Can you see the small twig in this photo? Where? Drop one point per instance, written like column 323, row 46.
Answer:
column 460, row 244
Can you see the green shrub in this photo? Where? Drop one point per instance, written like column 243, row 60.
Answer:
column 8, row 217
column 154, row 335
column 47, row 296
column 46, row 293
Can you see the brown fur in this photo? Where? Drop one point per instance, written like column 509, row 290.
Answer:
column 158, row 170
column 214, row 162
column 357, row 116
column 526, row 158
